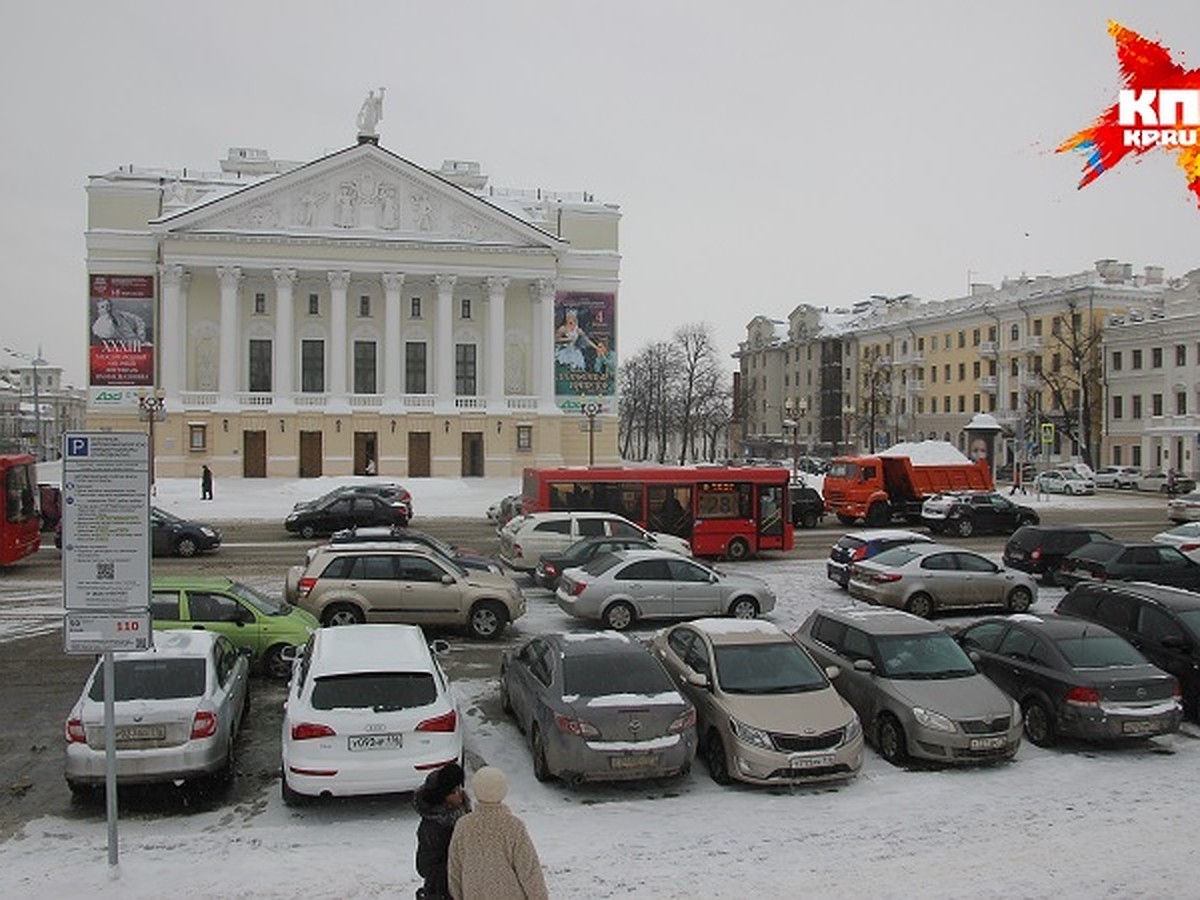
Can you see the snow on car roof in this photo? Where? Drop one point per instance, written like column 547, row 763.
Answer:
column 370, row 648
column 721, row 630
column 665, row 698
column 174, row 643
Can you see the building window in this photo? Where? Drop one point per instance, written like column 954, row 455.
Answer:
column 1136, row 402
column 414, row 309
column 933, row 404
column 364, row 307
column 414, row 367
column 946, row 403
column 1056, row 326
column 933, row 374
column 976, row 369
column 992, row 333
column 260, row 304
column 1137, row 456
column 364, row 367
column 314, row 304
column 962, row 339
column 1136, row 361
column 1117, row 455
column 933, row 342
column 524, row 438
column 464, row 312
column 1012, row 400
column 1156, row 357
column 1181, row 404
column 975, row 338
column 1014, row 334
column 946, row 372
column 312, row 366
column 1117, row 361
column 197, row 438
column 1037, row 327
column 962, row 402
column 1056, row 362
column 962, row 371
column 1180, row 355
column 1014, row 368
column 464, row 370
column 260, row 366
column 1037, row 365
column 975, row 407
column 1118, row 407
column 1156, row 404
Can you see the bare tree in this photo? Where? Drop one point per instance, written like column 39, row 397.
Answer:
column 875, row 396
column 1073, row 378
column 697, row 373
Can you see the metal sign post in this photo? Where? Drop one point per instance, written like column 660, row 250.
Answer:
column 591, row 409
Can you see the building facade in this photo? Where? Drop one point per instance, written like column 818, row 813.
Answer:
column 356, row 314
column 37, row 408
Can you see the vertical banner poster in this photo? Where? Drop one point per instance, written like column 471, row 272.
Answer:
column 121, row 330
column 585, row 352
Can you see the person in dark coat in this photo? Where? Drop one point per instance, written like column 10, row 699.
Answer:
column 440, row 802
column 205, row 483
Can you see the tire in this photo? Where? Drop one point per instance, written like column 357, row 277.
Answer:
column 716, row 760
column 342, row 614
column 878, row 515
column 290, row 797
column 224, row 776
column 965, row 527
column 1050, row 577
column 245, row 717
column 83, row 791
column 1039, row 723
column 273, row 663
column 541, row 767
column 890, row 740
column 846, row 520
column 619, row 616
column 505, row 700
column 487, row 620
column 1019, row 600
column 744, row 608
column 737, row 549
column 920, row 604
column 308, row 532
column 186, row 547
column 809, row 520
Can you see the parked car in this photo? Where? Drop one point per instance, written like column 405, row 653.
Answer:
column 1163, row 623
column 388, row 490
column 1121, row 477
column 368, row 711
column 860, row 545
column 343, row 511
column 177, row 710
column 262, row 625
column 1164, row 482
column 767, row 712
column 619, row 588
column 597, row 708
column 808, row 507
column 1184, row 537
column 1073, row 678
column 1063, row 481
column 1039, row 549
column 349, row 584
column 1117, row 561
column 971, row 512
column 551, row 566
column 927, row 578
column 524, row 539
column 504, row 509
column 464, row 556
column 1184, row 507
column 172, row 536
column 914, row 689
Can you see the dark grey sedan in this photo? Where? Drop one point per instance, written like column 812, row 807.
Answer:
column 597, row 707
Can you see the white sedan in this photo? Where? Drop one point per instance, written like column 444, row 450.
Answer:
column 1184, row 507
column 1063, row 481
column 1185, row 538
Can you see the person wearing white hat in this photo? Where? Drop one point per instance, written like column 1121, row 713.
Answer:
column 491, row 854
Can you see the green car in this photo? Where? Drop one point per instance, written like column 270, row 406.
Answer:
column 246, row 616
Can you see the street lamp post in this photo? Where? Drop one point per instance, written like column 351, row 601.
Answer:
column 591, row 409
column 152, row 408
column 34, row 361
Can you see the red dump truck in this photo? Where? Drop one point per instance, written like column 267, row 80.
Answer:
column 886, row 488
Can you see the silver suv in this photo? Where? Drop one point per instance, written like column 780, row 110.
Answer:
column 405, row 583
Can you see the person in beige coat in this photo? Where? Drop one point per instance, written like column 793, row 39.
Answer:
column 491, row 855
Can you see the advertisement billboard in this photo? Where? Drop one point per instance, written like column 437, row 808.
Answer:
column 585, row 352
column 121, row 330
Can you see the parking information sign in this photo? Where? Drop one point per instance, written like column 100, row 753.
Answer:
column 106, row 524
column 90, row 632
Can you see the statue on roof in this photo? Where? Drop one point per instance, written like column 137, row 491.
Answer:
column 370, row 114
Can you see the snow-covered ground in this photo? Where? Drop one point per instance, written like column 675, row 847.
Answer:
column 1079, row 821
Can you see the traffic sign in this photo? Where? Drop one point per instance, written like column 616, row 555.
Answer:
column 1047, row 432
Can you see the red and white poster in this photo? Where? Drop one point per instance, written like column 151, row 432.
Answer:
column 121, row 330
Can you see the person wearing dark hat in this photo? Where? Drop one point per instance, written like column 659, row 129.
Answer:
column 491, row 854
column 441, row 802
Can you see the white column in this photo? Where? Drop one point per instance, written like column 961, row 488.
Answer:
column 443, row 338
column 338, row 282
column 227, row 373
column 284, row 384
column 542, row 292
column 393, row 361
column 171, row 336
column 496, row 286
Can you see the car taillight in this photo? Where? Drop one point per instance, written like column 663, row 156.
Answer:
column 306, row 585
column 1083, row 696
column 204, row 724
column 550, row 568
column 683, row 722
column 1035, row 554
column 884, row 577
column 516, row 549
column 446, row 722
column 577, row 727
column 859, row 553
column 1188, row 548
column 76, row 735
column 1178, row 692
column 306, row 731
column 577, row 588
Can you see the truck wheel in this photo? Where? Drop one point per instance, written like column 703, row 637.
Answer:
column 878, row 515
column 845, row 520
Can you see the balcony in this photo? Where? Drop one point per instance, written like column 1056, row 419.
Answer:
column 911, row 359
column 915, row 385
column 988, row 348
column 1034, row 342
column 988, row 384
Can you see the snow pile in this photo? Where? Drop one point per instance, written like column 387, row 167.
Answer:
column 927, row 453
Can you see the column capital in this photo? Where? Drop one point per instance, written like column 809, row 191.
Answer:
column 392, row 281
column 542, row 289
column 173, row 275
column 230, row 276
column 445, row 282
column 339, row 280
column 284, row 278
column 496, row 284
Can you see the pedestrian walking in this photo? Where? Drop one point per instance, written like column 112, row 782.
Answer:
column 1018, row 480
column 205, row 482
column 440, row 802
column 491, row 854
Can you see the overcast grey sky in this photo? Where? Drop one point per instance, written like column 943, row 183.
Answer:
column 764, row 154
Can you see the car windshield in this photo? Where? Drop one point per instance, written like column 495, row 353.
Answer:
column 846, row 471
column 575, row 550
column 598, row 565
column 771, row 668
column 264, row 604
column 164, row 515
column 594, row 675
column 897, row 556
column 153, row 679
column 922, row 656
column 1099, row 651
column 378, row 691
column 1100, row 551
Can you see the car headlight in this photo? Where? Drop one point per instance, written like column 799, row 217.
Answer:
column 748, row 734
column 932, row 720
column 208, row 532
column 852, row 732
column 292, row 517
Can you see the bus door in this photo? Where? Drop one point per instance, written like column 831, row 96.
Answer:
column 771, row 507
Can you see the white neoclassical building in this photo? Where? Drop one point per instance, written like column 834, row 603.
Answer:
column 353, row 314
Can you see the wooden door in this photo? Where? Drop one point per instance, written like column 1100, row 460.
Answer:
column 472, row 454
column 366, row 458
column 254, row 454
column 310, row 454
column 419, row 457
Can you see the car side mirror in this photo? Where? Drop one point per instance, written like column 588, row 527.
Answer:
column 440, row 646
column 832, row 672
column 864, row 665
column 447, row 579
column 973, row 656
column 695, row 679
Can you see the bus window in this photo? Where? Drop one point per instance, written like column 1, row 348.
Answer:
column 669, row 510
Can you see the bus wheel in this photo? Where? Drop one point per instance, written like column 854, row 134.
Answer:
column 737, row 549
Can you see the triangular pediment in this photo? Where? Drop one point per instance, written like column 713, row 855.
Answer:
column 363, row 192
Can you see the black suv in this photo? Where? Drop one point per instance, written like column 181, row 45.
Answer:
column 1162, row 622
column 975, row 512
column 1039, row 549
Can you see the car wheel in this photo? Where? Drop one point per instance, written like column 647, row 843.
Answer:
column 225, row 775
column 920, row 604
column 82, row 790
column 809, row 520
column 274, row 664
column 715, row 759
column 186, row 547
column 308, row 532
column 290, row 797
column 1039, row 724
column 845, row 520
column 541, row 767
column 487, row 620
column 245, row 717
column 878, row 515
column 737, row 549
column 965, row 527
column 342, row 614
column 1019, row 600
column 505, row 700
column 744, row 608
column 619, row 616
column 890, row 740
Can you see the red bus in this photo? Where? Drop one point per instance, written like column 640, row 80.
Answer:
column 723, row 511
column 20, row 521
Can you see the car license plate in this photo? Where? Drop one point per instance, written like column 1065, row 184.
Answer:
column 811, row 762
column 636, row 761
column 141, row 732
column 1140, row 727
column 390, row 741
column 988, row 743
